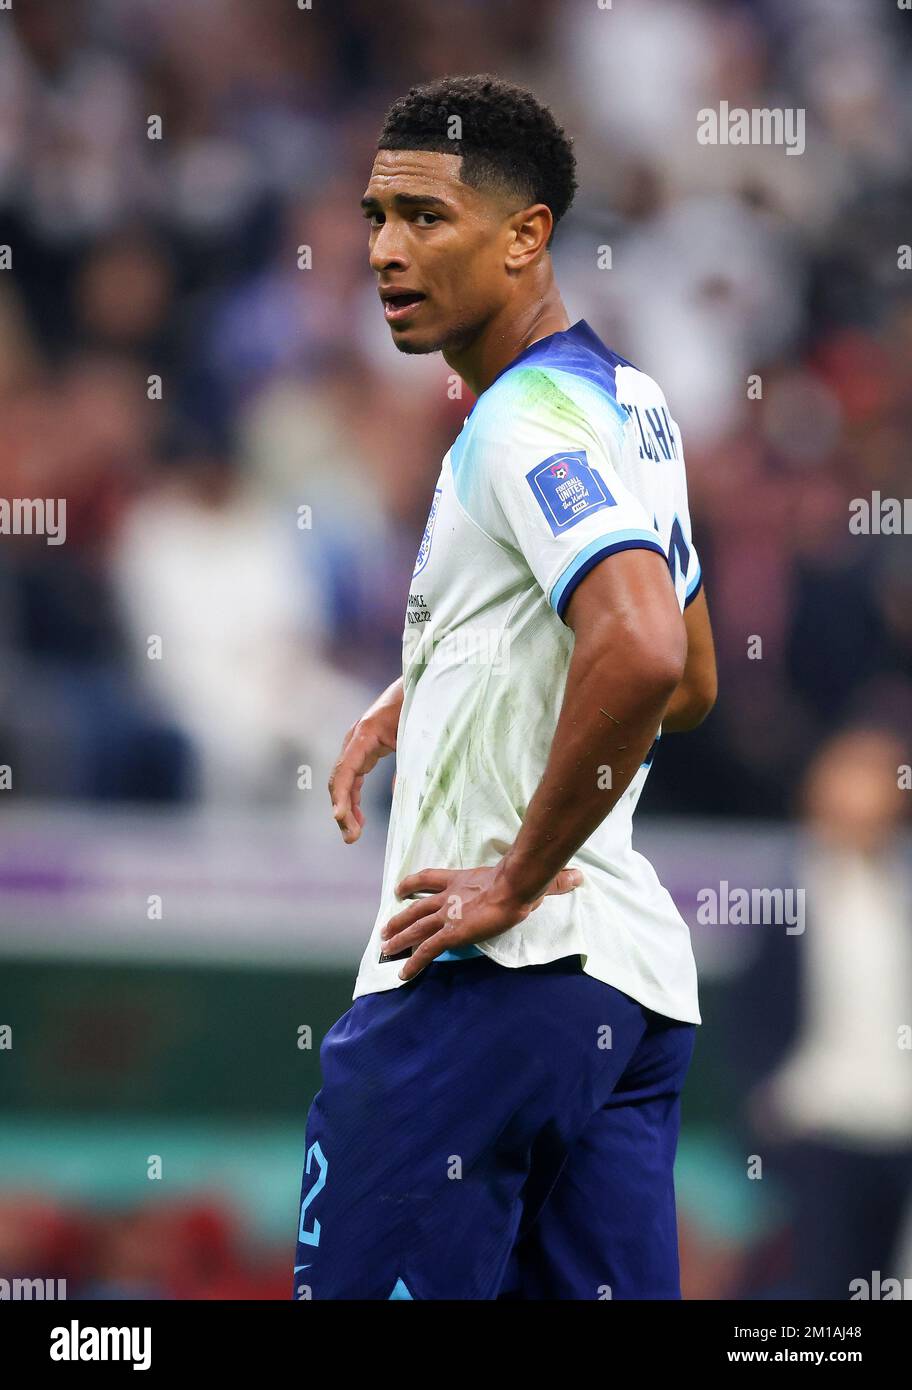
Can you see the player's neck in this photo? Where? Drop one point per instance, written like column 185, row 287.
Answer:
column 513, row 330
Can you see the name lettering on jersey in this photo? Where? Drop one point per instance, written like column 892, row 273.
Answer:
column 567, row 488
column 657, row 436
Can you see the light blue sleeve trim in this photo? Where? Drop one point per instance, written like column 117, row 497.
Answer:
column 694, row 584
column 632, row 538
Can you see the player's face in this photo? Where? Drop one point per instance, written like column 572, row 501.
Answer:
column 438, row 248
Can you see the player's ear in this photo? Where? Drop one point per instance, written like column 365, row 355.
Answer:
column 531, row 230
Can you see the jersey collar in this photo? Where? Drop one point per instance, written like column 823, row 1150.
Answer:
column 580, row 329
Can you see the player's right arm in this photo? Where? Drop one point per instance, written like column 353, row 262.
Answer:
column 369, row 739
column 696, row 694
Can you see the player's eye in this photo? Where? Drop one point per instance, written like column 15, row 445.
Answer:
column 431, row 218
column 374, row 219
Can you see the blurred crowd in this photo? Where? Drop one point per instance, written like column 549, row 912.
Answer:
column 194, row 1248
column 248, row 463
column 816, row 1033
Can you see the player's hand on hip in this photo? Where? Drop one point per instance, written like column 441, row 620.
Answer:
column 459, row 907
column 369, row 739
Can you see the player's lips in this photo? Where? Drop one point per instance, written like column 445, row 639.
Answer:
column 400, row 304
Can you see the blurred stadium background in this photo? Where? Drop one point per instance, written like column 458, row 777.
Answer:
column 135, row 1032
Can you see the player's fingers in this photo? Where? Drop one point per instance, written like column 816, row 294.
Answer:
column 350, row 826
column 395, row 927
column 347, row 820
column 425, row 881
column 355, row 762
column 442, row 940
column 340, row 785
column 347, row 815
column 565, row 881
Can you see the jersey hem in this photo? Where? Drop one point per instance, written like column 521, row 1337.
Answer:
column 649, row 999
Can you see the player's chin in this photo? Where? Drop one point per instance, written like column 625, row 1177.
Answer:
column 412, row 341
column 420, row 337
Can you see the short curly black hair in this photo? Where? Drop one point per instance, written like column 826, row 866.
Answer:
column 505, row 135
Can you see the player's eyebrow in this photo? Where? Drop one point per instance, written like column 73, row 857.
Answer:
column 407, row 200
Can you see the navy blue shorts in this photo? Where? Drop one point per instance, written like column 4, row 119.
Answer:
column 485, row 1132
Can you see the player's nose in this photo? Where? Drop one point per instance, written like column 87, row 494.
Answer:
column 388, row 251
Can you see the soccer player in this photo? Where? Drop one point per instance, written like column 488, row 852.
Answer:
column 500, row 1105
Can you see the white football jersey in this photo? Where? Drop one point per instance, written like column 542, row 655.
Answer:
column 568, row 457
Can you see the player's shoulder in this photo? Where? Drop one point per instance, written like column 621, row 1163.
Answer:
column 565, row 383
column 633, row 385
